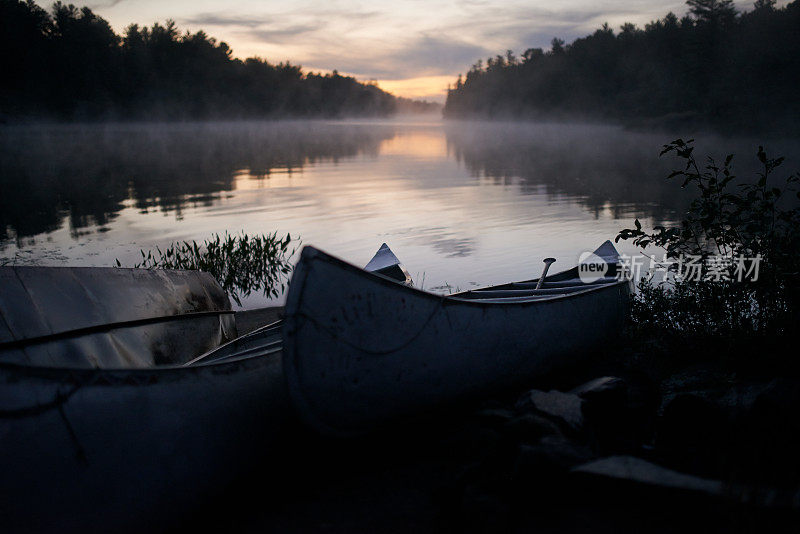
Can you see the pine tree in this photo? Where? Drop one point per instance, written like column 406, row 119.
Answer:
column 712, row 11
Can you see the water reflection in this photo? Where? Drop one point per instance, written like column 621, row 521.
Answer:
column 461, row 204
column 600, row 167
column 86, row 174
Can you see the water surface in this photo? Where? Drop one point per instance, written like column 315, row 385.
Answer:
column 461, row 204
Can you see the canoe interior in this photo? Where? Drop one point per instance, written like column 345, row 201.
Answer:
column 263, row 341
column 563, row 283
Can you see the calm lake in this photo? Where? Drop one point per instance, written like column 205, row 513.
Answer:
column 461, row 204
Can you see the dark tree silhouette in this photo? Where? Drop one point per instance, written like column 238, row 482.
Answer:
column 713, row 67
column 768, row 5
column 713, row 11
column 70, row 64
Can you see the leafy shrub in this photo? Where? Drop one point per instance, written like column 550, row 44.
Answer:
column 728, row 229
column 241, row 264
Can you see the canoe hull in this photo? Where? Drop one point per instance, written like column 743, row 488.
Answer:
column 106, row 317
column 93, row 449
column 360, row 349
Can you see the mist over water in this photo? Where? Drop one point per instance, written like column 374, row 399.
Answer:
column 461, row 203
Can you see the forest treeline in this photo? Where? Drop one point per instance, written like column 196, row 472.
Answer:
column 69, row 64
column 713, row 67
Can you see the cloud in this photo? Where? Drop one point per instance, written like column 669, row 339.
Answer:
column 453, row 44
column 309, row 27
column 218, row 19
column 280, row 35
column 521, row 26
column 317, row 18
column 441, row 55
column 104, row 5
column 423, row 55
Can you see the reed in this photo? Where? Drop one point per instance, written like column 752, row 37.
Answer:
column 241, row 263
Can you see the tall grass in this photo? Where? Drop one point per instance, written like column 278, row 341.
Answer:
column 241, row 263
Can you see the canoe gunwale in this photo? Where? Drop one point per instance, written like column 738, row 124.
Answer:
column 107, row 327
column 198, row 361
column 125, row 375
column 311, row 253
column 529, row 294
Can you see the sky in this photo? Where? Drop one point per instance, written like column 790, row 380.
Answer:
column 412, row 48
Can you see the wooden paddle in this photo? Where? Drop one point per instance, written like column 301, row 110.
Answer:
column 547, row 263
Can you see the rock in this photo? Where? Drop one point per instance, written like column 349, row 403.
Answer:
column 780, row 400
column 562, row 408
column 641, row 472
column 484, row 511
column 601, row 388
column 529, row 427
column 772, row 438
column 477, row 442
column 693, row 435
column 746, row 431
column 617, row 415
column 494, row 417
column 605, row 408
column 549, row 459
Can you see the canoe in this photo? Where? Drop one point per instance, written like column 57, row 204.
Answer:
column 112, row 447
column 139, row 406
column 361, row 349
column 386, row 263
column 95, row 432
column 95, row 317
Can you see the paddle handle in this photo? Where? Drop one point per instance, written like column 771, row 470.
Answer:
column 547, row 263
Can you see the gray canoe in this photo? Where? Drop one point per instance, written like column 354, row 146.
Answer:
column 96, row 431
column 90, row 317
column 126, row 397
column 361, row 349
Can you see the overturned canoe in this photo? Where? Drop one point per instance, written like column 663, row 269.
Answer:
column 360, row 348
column 85, row 317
